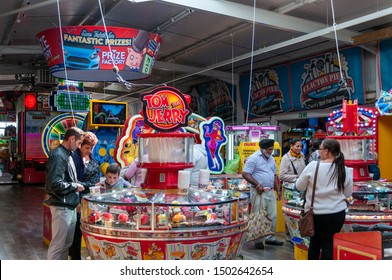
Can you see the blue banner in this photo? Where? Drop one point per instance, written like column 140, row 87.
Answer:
column 219, row 100
column 269, row 93
column 386, row 64
column 313, row 83
column 317, row 83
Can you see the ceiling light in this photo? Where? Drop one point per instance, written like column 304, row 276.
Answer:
column 138, row 1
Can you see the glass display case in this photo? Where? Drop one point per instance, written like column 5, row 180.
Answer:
column 369, row 204
column 233, row 182
column 359, row 152
column 164, row 224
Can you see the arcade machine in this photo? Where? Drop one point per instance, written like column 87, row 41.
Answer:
column 355, row 129
column 126, row 150
column 244, row 140
column 105, row 119
column 33, row 113
column 164, row 219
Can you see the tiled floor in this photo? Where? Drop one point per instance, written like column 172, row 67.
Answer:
column 21, row 228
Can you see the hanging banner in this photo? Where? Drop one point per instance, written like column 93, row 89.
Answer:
column 312, row 83
column 89, row 53
column 269, row 92
column 317, row 82
column 219, row 100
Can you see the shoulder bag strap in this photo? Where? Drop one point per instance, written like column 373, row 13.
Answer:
column 314, row 184
column 292, row 164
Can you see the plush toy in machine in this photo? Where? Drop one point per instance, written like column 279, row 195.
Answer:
column 94, row 217
column 179, row 218
column 144, row 219
column 123, row 218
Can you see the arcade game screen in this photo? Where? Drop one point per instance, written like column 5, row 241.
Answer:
column 105, row 113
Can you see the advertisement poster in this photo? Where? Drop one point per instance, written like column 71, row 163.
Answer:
column 92, row 48
column 269, row 92
column 219, row 98
column 317, row 82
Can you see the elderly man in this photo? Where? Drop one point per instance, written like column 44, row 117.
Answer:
column 260, row 171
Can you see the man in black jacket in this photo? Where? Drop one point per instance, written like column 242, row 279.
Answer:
column 63, row 189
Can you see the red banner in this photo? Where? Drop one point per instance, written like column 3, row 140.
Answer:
column 89, row 53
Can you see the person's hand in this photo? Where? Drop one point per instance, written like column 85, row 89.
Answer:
column 78, row 208
column 278, row 195
column 79, row 188
column 259, row 188
column 101, row 184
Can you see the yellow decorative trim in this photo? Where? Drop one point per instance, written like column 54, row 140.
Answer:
column 340, row 247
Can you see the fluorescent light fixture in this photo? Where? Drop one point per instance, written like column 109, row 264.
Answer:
column 138, row 1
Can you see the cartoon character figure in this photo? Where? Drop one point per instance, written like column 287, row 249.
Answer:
column 178, row 218
column 109, row 250
column 232, row 249
column 154, row 253
column 215, row 138
column 96, row 248
column 132, row 252
column 134, row 59
column 199, row 252
column 193, row 122
column 130, row 150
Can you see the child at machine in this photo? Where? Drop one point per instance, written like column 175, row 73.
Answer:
column 113, row 181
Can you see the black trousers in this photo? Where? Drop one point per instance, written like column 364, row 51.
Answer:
column 75, row 249
column 321, row 244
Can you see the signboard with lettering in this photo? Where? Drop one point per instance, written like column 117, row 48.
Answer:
column 245, row 150
column 269, row 92
column 324, row 81
column 165, row 109
column 91, row 53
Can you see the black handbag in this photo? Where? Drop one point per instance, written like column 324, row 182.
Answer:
column 306, row 221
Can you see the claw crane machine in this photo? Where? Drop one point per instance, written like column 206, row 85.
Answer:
column 243, row 141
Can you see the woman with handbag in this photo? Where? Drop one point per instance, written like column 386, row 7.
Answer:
column 291, row 166
column 333, row 185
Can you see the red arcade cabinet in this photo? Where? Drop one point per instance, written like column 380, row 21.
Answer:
column 33, row 113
